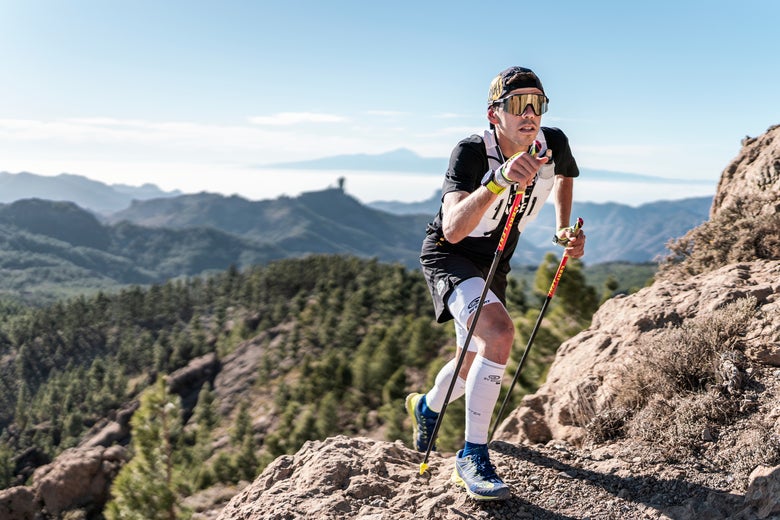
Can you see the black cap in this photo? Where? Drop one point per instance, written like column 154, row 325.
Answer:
column 511, row 79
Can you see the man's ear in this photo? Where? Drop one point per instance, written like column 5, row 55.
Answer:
column 491, row 114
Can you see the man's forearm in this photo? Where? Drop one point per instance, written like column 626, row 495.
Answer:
column 462, row 212
column 564, row 193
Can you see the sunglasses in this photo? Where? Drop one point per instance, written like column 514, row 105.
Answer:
column 516, row 104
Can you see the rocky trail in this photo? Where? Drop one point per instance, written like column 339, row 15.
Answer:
column 362, row 479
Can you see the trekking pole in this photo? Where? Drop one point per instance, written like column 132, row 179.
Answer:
column 550, row 293
column 488, row 280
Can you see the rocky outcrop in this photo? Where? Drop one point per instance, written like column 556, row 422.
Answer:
column 585, row 375
column 763, row 494
column 18, row 503
column 114, row 429
column 583, row 380
column 337, row 478
column 188, row 381
column 239, row 373
column 78, row 478
column 752, row 180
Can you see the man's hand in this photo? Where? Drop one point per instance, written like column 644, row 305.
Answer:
column 572, row 241
column 521, row 169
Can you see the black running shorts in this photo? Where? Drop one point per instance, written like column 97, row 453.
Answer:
column 444, row 269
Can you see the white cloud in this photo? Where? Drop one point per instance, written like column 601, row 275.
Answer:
column 134, row 132
column 296, row 118
column 70, row 142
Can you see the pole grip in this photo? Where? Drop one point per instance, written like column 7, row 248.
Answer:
column 557, row 278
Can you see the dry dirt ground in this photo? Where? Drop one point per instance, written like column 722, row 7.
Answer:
column 361, row 478
column 611, row 482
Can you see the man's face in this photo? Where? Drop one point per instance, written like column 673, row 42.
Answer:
column 516, row 118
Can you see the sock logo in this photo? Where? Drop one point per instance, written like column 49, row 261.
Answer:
column 493, row 379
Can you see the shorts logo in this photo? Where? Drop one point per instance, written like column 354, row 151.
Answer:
column 441, row 286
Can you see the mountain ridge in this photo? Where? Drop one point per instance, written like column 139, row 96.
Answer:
column 616, row 232
column 168, row 234
column 87, row 193
column 53, row 249
column 187, row 235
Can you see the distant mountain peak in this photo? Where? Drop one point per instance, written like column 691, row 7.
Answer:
column 83, row 191
column 398, row 160
column 400, row 152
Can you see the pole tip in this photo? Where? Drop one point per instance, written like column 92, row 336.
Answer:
column 423, row 468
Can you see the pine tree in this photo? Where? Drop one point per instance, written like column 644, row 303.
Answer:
column 304, row 429
column 145, row 488
column 610, row 286
column 6, row 465
column 516, row 295
column 327, row 415
column 223, row 468
column 205, row 414
column 205, row 418
column 246, row 462
column 243, row 425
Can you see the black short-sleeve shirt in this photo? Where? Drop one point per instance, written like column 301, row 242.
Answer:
column 469, row 163
column 445, row 264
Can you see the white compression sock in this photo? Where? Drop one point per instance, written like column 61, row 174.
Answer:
column 483, row 386
column 435, row 397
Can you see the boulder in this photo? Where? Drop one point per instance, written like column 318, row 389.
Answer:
column 79, row 477
column 763, row 495
column 16, row 503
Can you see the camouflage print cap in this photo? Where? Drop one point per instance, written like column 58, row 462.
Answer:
column 511, row 79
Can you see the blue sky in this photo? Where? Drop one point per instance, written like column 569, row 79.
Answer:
column 193, row 95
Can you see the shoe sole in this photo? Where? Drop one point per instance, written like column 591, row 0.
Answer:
column 483, row 498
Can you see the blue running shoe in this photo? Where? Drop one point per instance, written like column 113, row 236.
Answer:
column 475, row 473
column 422, row 425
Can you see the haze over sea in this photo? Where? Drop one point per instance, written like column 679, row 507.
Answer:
column 412, row 187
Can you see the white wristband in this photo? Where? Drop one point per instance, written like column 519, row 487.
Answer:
column 501, row 179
